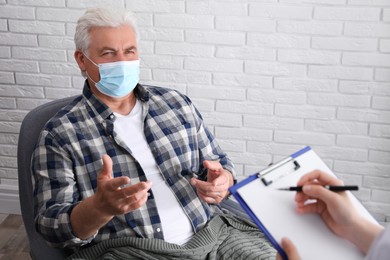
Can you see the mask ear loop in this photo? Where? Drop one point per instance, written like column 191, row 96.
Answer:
column 86, row 72
column 90, row 59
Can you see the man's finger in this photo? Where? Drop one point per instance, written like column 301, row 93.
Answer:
column 136, row 195
column 212, row 165
column 136, row 188
column 118, row 182
column 106, row 171
column 208, row 186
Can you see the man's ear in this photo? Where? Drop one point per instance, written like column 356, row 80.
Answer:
column 80, row 59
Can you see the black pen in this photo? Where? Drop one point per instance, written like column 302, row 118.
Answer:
column 329, row 187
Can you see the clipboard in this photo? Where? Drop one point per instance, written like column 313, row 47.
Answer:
column 273, row 211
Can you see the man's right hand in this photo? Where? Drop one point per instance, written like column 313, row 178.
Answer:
column 112, row 198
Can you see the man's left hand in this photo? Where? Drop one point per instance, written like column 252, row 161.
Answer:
column 215, row 189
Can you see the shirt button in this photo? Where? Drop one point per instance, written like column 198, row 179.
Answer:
column 112, row 116
column 158, row 230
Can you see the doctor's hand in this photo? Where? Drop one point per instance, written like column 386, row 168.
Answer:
column 290, row 250
column 215, row 189
column 335, row 208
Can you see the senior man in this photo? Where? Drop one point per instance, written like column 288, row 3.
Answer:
column 129, row 161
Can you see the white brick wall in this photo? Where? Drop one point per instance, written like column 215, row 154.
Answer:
column 268, row 76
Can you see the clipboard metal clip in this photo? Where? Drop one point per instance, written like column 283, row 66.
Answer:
column 272, row 173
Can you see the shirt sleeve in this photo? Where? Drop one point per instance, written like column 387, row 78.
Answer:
column 380, row 247
column 55, row 193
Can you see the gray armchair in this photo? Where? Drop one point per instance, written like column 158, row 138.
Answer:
column 28, row 136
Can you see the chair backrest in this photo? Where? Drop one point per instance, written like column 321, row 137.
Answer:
column 28, row 136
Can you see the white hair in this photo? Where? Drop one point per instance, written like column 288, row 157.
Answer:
column 101, row 17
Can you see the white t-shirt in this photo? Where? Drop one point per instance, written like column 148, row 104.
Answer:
column 176, row 225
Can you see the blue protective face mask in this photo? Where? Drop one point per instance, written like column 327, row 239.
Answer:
column 117, row 79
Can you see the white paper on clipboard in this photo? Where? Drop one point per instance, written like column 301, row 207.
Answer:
column 274, row 211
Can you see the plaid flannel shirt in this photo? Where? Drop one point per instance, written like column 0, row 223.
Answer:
column 67, row 160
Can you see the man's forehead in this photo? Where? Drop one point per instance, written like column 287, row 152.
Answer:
column 104, row 30
column 110, row 37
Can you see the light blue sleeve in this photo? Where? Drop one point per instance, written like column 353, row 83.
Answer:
column 380, row 248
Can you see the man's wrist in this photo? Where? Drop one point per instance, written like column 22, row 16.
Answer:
column 231, row 182
column 231, row 178
column 86, row 218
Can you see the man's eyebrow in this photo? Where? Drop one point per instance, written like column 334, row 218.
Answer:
column 107, row 49
column 132, row 47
